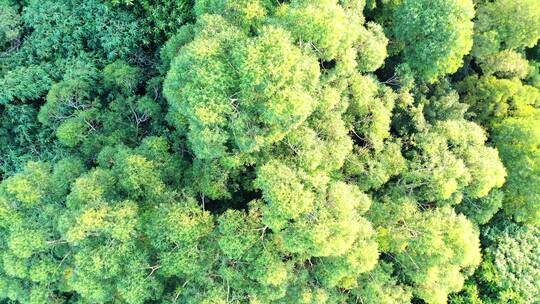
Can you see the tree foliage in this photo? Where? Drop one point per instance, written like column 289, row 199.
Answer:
column 261, row 151
column 435, row 35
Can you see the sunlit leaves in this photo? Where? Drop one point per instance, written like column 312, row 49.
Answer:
column 286, row 196
column 511, row 267
column 269, row 152
column 436, row 35
column 445, row 245
column 506, row 24
column 518, row 140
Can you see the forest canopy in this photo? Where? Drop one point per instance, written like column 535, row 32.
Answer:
column 266, row 151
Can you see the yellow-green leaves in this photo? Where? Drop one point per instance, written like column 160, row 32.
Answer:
column 509, row 109
column 249, row 92
column 445, row 246
column 115, row 222
column 506, row 64
column 243, row 13
column 23, row 243
column 285, row 194
column 372, row 169
column 270, row 151
column 179, row 223
column 518, row 142
column 380, row 286
column 506, row 24
column 177, row 229
column 452, row 161
column 371, row 108
column 276, row 87
column 325, row 26
column 492, row 99
column 435, row 34
column 30, row 187
column 72, row 131
column 200, row 86
column 33, row 247
column 371, row 48
column 120, row 75
column 239, row 232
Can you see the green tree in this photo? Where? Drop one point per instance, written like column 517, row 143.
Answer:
column 517, row 140
column 268, row 151
column 446, row 247
column 435, row 34
column 10, row 26
column 506, row 24
column 379, row 286
column 509, row 272
column 491, row 99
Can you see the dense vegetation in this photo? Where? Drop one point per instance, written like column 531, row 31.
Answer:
column 266, row 151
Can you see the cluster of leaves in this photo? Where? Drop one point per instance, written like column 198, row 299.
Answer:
column 55, row 49
column 261, row 151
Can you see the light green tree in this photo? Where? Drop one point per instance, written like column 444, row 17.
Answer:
column 435, row 35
